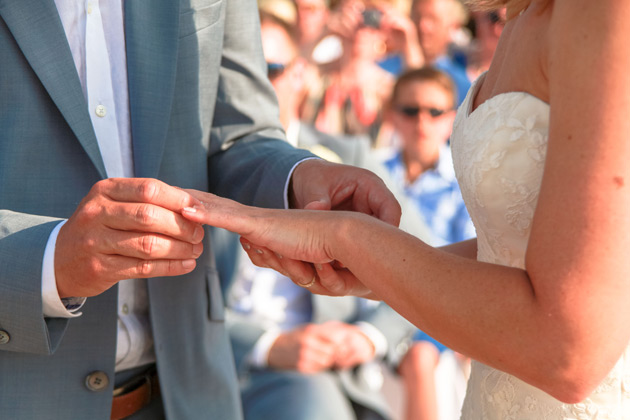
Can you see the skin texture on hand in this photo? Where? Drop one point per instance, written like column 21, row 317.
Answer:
column 315, row 185
column 292, row 242
column 320, row 185
column 317, row 347
column 126, row 228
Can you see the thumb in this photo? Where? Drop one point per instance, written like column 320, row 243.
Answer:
column 320, row 204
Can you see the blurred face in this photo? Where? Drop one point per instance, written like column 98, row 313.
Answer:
column 280, row 56
column 311, row 19
column 283, row 66
column 434, row 21
column 423, row 116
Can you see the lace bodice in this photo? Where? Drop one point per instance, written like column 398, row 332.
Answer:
column 499, row 153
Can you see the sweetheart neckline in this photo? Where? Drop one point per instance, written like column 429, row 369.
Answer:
column 475, row 89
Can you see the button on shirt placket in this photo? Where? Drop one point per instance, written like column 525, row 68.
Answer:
column 96, row 39
column 100, row 91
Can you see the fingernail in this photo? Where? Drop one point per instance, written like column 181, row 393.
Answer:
column 197, row 249
column 259, row 251
column 319, row 267
column 278, row 255
column 189, row 210
column 247, row 246
column 188, row 264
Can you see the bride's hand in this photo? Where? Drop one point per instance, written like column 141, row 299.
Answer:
column 331, row 279
column 292, row 242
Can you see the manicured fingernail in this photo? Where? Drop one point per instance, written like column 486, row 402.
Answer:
column 319, row 267
column 188, row 264
column 278, row 255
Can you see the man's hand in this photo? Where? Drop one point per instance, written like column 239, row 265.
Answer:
column 320, row 185
column 353, row 346
column 307, row 349
column 126, row 228
column 318, row 347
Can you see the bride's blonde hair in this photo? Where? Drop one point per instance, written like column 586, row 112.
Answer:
column 515, row 5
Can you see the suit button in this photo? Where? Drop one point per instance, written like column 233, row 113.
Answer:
column 4, row 337
column 96, row 381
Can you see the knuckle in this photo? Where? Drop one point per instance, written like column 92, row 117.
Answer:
column 101, row 186
column 90, row 244
column 91, row 209
column 144, row 268
column 148, row 244
column 148, row 189
column 95, row 268
column 145, row 215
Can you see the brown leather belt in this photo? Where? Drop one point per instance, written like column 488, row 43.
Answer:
column 135, row 394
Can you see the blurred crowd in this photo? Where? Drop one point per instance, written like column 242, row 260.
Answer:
column 351, row 52
column 375, row 84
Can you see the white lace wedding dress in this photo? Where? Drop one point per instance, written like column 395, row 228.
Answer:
column 499, row 152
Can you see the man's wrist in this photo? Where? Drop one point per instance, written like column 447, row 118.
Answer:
column 259, row 356
column 375, row 337
column 290, row 201
column 52, row 305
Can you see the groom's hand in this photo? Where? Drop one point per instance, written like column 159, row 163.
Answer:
column 126, row 228
column 320, row 185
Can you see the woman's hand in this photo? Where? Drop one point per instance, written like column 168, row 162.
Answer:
column 295, row 243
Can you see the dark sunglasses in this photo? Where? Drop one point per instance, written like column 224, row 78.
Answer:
column 413, row 111
column 495, row 18
column 276, row 69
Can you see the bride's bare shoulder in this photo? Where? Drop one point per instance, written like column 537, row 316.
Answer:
column 520, row 60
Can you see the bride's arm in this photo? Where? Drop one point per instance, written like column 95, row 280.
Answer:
column 562, row 324
column 467, row 249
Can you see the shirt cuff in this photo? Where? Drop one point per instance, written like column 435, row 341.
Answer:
column 259, row 357
column 376, row 337
column 53, row 305
column 286, row 184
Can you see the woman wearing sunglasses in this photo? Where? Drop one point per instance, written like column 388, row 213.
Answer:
column 540, row 299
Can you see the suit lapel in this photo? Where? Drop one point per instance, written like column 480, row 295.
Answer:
column 151, row 34
column 37, row 29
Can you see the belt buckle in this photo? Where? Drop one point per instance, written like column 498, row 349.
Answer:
column 135, row 383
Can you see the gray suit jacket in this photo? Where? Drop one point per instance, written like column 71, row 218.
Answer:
column 203, row 116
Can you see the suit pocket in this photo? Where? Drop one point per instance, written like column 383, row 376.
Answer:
column 216, row 309
column 199, row 17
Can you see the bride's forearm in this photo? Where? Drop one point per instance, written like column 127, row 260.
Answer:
column 466, row 249
column 487, row 311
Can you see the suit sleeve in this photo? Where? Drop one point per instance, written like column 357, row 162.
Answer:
column 23, row 239
column 249, row 162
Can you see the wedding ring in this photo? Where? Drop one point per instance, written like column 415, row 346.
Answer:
column 310, row 283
